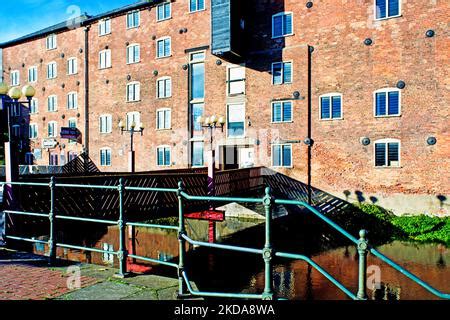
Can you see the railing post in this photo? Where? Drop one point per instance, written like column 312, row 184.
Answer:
column 268, row 293
column 51, row 217
column 362, row 278
column 181, row 243
column 122, row 253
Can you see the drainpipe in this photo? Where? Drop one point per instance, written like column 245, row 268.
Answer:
column 310, row 51
column 86, row 92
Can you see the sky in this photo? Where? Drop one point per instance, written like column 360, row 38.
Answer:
column 21, row 17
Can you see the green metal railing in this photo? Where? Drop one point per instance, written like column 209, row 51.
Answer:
column 185, row 288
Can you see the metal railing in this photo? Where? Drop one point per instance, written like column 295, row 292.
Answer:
column 185, row 289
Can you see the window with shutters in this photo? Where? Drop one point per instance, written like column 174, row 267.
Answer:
column 133, row 92
column 387, row 102
column 163, row 119
column 133, row 53
column 282, row 24
column 15, row 78
column 104, row 27
column 387, row 153
column 52, row 70
column 163, row 156
column 163, row 11
column 282, row 111
column 330, row 106
column 236, row 80
column 385, row 9
column 281, row 73
column 104, row 59
column 133, row 19
column 105, row 123
column 282, row 155
column 105, row 157
column 163, row 47
column 236, row 120
column 164, row 87
column 32, row 74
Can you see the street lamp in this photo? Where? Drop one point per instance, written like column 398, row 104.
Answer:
column 132, row 130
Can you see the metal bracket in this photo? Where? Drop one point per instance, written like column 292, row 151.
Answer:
column 267, row 254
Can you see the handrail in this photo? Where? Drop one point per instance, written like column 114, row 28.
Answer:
column 267, row 252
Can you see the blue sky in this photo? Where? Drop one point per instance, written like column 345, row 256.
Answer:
column 20, row 17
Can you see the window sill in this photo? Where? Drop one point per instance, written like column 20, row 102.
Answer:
column 234, row 95
column 389, row 116
column 162, row 130
column 283, row 36
column 104, row 133
column 163, row 98
column 281, row 122
column 388, row 18
column 283, row 167
column 51, row 49
column 195, row 11
column 104, row 35
column 164, row 57
column 133, row 101
column 165, row 19
column 130, row 63
column 133, row 28
column 72, row 74
column 105, row 68
column 386, row 167
column 51, row 78
column 333, row 119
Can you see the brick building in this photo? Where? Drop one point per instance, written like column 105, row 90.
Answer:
column 349, row 96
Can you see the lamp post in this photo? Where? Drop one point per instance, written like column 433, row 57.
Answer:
column 132, row 130
column 212, row 123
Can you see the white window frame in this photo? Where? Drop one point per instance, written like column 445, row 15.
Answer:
column 386, row 141
column 36, row 131
column 170, row 152
column 282, row 155
column 34, row 72
column 15, row 78
column 273, row 24
column 104, row 27
column 34, row 103
column 75, row 101
column 55, row 129
column 157, row 46
column 386, row 91
column 55, row 107
column 54, row 67
column 164, row 79
column 108, row 59
column 198, row 10
column 110, row 157
column 71, row 120
column 132, row 114
column 133, row 45
column 282, row 109
column 163, row 5
column 162, row 110
column 229, row 81
column 72, row 66
column 331, row 95
column 244, row 134
column 387, row 11
column 282, row 72
column 138, row 91
column 108, row 119
column 132, row 13
column 51, row 42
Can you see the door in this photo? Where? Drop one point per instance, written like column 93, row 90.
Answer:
column 230, row 158
column 246, row 157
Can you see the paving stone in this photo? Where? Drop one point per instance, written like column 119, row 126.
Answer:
column 108, row 290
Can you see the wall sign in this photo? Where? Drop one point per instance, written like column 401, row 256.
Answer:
column 49, row 143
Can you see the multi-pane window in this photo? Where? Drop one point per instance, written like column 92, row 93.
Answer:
column 282, row 111
column 72, row 100
column 197, row 76
column 163, row 156
column 32, row 74
column 104, row 27
column 236, row 80
column 331, row 106
column 197, row 154
column 387, row 153
column 105, row 59
column 50, row 42
column 387, row 9
column 282, row 72
column 236, row 120
column 51, row 70
column 164, row 87
column 53, row 160
column 133, row 19
column 163, row 47
column 163, row 11
column 52, row 128
column 282, row 155
column 196, row 5
column 73, row 123
column 133, row 118
column 52, row 103
column 105, row 157
column 105, row 123
column 33, row 131
column 133, row 53
column 133, row 92
column 387, row 102
column 34, row 106
column 72, row 155
column 197, row 111
column 163, row 119
column 15, row 78
column 282, row 24
column 72, row 66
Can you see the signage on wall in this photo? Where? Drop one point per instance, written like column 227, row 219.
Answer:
column 49, row 143
column 70, row 133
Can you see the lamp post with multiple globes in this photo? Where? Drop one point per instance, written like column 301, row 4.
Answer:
column 132, row 130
